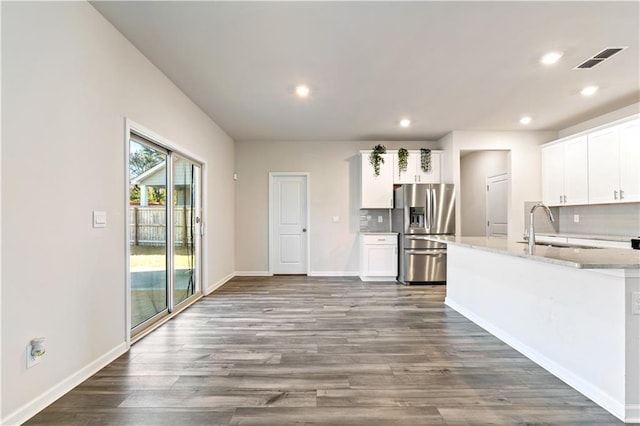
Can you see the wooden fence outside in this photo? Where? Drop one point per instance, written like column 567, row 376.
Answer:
column 147, row 225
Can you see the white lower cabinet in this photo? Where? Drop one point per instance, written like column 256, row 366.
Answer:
column 378, row 256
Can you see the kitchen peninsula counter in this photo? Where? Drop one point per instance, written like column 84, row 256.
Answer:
column 570, row 310
column 575, row 257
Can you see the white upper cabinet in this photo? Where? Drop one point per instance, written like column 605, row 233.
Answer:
column 630, row 161
column 553, row 174
column 414, row 172
column 595, row 167
column 376, row 192
column 614, row 155
column 564, row 172
column 604, row 161
column 576, row 174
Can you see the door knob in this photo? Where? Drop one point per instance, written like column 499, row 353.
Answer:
column 304, row 229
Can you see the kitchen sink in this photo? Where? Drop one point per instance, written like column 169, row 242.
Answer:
column 560, row 245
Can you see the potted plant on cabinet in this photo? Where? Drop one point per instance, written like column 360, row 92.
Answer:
column 425, row 159
column 403, row 159
column 375, row 158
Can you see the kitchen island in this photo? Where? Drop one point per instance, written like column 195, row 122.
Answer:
column 567, row 309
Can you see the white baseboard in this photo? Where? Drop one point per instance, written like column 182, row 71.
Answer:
column 586, row 388
column 333, row 274
column 310, row 274
column 253, row 274
column 366, row 278
column 36, row 405
column 213, row 287
column 632, row 414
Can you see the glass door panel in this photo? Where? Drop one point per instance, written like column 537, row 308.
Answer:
column 186, row 226
column 147, row 231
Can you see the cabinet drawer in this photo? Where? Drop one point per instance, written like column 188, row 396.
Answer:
column 380, row 239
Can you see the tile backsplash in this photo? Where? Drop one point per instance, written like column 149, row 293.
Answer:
column 598, row 219
column 369, row 220
column 606, row 219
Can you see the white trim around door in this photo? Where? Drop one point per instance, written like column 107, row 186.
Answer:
column 272, row 177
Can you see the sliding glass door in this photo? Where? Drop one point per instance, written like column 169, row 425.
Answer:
column 164, row 231
column 186, row 221
column 147, row 231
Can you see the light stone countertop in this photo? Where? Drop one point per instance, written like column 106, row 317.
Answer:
column 581, row 258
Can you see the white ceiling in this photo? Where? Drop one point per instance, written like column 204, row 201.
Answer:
column 446, row 65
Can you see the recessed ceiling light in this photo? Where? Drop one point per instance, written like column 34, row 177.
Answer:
column 551, row 58
column 302, row 91
column 589, row 90
column 525, row 120
column 405, row 122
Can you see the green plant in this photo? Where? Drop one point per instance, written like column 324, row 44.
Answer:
column 425, row 160
column 375, row 158
column 403, row 158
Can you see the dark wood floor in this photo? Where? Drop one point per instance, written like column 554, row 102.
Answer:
column 297, row 350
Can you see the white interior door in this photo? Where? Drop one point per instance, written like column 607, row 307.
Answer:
column 288, row 250
column 497, row 205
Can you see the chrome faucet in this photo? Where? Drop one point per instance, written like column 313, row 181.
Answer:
column 532, row 232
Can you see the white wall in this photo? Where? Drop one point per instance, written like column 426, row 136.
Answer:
column 334, row 183
column 601, row 120
column 69, row 79
column 524, row 167
column 475, row 167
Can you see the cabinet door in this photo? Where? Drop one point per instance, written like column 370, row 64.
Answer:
column 408, row 176
column 432, row 176
column 553, row 174
column 630, row 161
column 604, row 166
column 376, row 191
column 380, row 261
column 576, row 177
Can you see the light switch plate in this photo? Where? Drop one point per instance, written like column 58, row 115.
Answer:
column 99, row 219
column 335, row 219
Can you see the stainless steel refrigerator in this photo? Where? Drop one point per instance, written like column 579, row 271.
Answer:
column 421, row 210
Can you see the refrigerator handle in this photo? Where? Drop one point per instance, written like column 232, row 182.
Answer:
column 428, row 219
column 433, row 207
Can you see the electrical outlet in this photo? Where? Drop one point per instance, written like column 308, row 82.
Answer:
column 32, row 360
column 635, row 303
column 380, row 219
column 576, row 218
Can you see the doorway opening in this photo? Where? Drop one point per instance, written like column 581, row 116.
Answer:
column 289, row 242
column 164, row 238
column 476, row 168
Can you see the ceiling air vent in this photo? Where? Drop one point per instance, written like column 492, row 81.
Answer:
column 599, row 58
